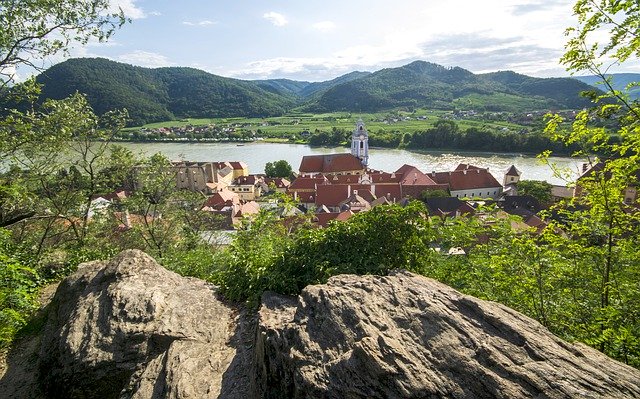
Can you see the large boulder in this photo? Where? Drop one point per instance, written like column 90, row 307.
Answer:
column 406, row 336
column 130, row 328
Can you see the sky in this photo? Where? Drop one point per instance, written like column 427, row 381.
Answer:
column 314, row 40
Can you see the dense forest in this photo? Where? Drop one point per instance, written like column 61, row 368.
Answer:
column 577, row 274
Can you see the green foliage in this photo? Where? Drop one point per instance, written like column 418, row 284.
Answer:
column 279, row 168
column 434, row 194
column 265, row 258
column 35, row 29
column 541, row 190
column 18, row 292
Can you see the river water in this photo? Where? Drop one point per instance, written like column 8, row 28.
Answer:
column 257, row 154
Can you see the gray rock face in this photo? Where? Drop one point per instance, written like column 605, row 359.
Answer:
column 405, row 336
column 130, row 328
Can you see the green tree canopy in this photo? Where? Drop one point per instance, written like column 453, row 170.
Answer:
column 33, row 29
column 279, row 168
column 541, row 190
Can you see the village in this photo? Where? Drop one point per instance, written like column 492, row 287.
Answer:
column 335, row 187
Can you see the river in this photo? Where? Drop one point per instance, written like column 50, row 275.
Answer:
column 257, row 154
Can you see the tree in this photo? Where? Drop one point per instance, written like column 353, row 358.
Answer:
column 541, row 190
column 279, row 168
column 34, row 29
column 602, row 229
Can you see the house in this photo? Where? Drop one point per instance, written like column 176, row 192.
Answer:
column 630, row 193
column 323, row 219
column 414, row 182
column 448, row 207
column 208, row 177
column 332, row 196
column 355, row 203
column 229, row 205
column 303, row 189
column 332, row 164
column 512, row 176
column 280, row 183
column 468, row 181
column 248, row 187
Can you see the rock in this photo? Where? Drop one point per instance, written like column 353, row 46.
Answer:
column 130, row 328
column 406, row 336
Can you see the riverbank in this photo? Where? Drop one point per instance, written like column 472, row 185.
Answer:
column 257, row 154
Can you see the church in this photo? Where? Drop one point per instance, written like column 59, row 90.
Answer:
column 355, row 163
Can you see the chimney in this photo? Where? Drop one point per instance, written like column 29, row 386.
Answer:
column 355, row 192
column 463, row 171
column 433, row 173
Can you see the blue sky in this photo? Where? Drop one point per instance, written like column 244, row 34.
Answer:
column 320, row 40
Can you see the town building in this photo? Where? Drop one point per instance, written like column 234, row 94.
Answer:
column 354, row 163
column 468, row 181
column 360, row 143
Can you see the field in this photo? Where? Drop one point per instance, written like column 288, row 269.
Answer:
column 394, row 121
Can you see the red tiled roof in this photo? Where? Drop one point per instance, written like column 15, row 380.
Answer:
column 280, row 182
column 323, row 219
column 466, row 179
column 363, row 191
column 249, row 208
column 356, row 202
column 344, row 179
column 385, row 178
column 221, row 199
column 467, row 166
column 414, row 176
column 332, row 163
column 306, row 183
column 331, row 195
column 393, row 192
column 306, row 197
column 344, row 216
column 247, row 180
column 235, row 165
column 513, row 171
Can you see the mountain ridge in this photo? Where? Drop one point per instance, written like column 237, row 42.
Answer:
column 166, row 93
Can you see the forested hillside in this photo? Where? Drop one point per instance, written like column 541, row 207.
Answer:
column 152, row 95
column 428, row 85
column 158, row 94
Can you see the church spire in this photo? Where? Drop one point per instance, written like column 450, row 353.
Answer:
column 360, row 143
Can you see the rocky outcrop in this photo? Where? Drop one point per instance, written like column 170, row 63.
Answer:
column 131, row 328
column 406, row 336
column 128, row 328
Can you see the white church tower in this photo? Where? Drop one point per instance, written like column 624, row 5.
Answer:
column 360, row 143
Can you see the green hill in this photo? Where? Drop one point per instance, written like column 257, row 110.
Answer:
column 426, row 85
column 161, row 94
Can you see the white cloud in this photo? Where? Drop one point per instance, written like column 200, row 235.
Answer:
column 201, row 23
column 324, row 26
column 145, row 59
column 155, row 13
column 275, row 18
column 129, row 7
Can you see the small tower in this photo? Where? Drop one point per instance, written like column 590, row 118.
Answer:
column 512, row 176
column 360, row 143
